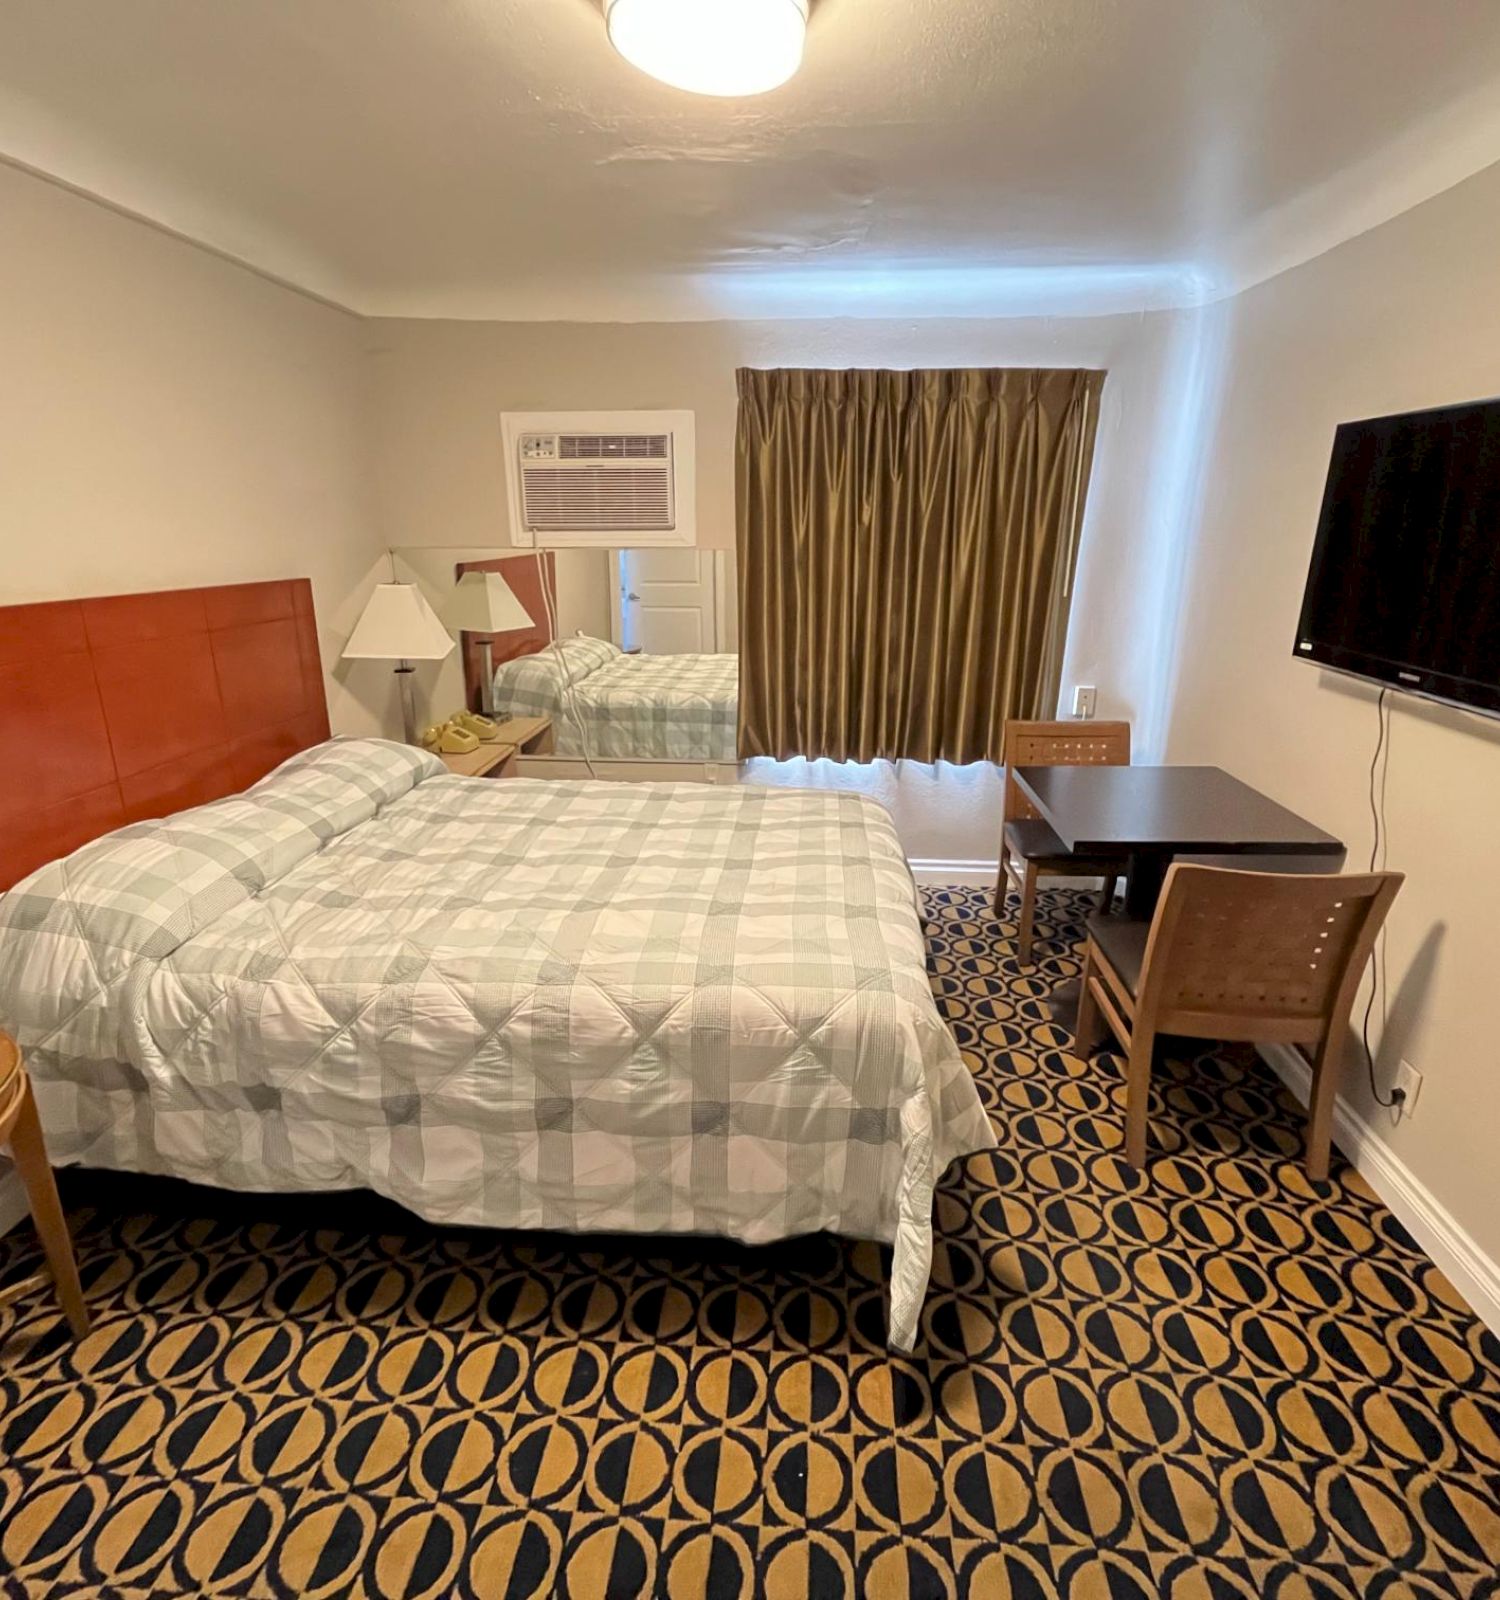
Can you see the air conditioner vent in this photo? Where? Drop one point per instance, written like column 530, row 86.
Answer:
column 612, row 446
column 625, row 499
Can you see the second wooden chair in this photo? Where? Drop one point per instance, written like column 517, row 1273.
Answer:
column 1029, row 849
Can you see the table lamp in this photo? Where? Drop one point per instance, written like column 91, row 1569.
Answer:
column 398, row 625
column 484, row 603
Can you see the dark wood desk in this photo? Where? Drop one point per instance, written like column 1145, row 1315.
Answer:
column 1154, row 814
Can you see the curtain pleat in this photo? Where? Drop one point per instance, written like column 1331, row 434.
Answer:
column 906, row 549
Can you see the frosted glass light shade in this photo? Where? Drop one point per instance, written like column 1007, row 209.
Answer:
column 397, row 624
column 718, row 47
column 484, row 602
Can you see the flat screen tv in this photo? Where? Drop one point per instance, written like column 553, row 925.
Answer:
column 1404, row 586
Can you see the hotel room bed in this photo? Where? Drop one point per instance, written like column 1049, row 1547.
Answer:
column 629, row 707
column 579, row 1006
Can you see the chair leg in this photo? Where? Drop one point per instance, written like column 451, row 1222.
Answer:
column 1002, row 883
column 1086, row 1029
column 1107, row 899
column 1138, row 1094
column 1028, row 916
column 1325, row 1083
column 30, row 1153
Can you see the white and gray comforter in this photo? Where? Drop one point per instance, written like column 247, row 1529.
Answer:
column 626, row 707
column 581, row 1006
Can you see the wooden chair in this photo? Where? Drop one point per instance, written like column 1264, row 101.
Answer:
column 1029, row 849
column 21, row 1130
column 1267, row 957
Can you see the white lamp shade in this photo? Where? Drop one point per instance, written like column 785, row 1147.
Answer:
column 398, row 625
column 719, row 47
column 484, row 602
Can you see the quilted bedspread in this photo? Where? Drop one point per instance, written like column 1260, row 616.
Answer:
column 582, row 1006
column 641, row 707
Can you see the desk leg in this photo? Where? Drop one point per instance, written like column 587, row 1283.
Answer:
column 1148, row 871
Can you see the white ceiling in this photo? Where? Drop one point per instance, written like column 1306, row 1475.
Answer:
column 494, row 158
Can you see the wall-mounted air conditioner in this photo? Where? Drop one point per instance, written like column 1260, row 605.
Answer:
column 610, row 478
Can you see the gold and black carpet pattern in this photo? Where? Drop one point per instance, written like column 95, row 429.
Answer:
column 1209, row 1381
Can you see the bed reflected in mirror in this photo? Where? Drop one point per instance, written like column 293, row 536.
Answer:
column 629, row 654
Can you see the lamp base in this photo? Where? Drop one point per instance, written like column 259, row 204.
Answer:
column 408, row 707
column 487, row 678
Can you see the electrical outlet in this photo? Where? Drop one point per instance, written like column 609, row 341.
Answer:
column 1409, row 1082
column 1085, row 696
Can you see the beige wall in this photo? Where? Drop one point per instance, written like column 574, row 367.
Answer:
column 169, row 419
column 439, row 388
column 1403, row 317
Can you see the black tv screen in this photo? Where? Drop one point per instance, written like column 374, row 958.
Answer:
column 1404, row 586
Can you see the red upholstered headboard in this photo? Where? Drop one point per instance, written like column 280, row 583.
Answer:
column 525, row 575
column 137, row 705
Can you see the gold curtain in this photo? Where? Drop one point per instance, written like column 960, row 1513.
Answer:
column 906, row 549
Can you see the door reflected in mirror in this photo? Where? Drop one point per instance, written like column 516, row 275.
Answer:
column 670, row 602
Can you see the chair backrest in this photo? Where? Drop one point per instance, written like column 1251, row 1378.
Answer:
column 1059, row 744
column 1259, row 955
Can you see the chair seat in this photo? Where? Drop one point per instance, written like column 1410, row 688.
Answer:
column 1031, row 839
column 1122, row 943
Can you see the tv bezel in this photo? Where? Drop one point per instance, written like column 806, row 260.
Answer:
column 1466, row 694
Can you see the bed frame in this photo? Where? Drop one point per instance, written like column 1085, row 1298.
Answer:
column 132, row 706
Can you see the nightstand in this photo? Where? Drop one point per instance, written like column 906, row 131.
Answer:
column 532, row 736
column 488, row 761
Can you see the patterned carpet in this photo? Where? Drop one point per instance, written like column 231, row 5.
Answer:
column 1209, row 1382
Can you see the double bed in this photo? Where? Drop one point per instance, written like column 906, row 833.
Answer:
column 607, row 703
column 561, row 1005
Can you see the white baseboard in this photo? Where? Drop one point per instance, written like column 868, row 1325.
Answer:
column 979, row 872
column 12, row 1201
column 1471, row 1271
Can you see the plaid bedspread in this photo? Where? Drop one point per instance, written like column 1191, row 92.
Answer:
column 681, row 708
column 581, row 1006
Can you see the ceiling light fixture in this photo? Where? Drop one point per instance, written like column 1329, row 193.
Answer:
column 719, row 47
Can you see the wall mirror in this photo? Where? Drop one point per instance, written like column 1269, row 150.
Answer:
column 630, row 654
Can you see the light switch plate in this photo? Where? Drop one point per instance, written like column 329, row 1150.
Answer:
column 1085, row 698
